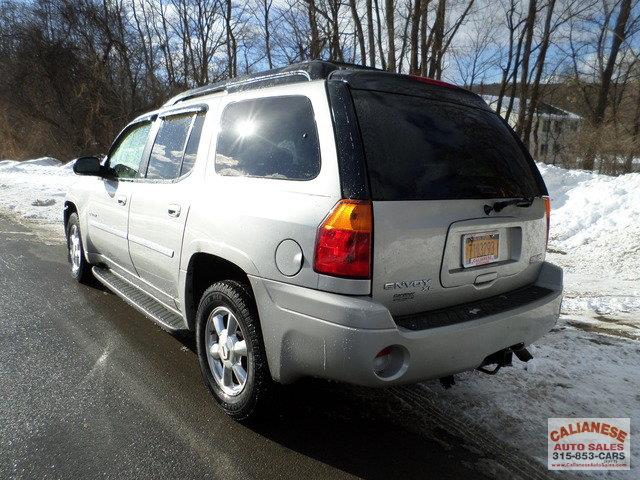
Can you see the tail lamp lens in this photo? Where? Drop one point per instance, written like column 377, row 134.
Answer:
column 343, row 242
column 547, row 213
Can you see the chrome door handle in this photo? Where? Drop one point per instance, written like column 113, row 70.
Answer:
column 122, row 200
column 173, row 210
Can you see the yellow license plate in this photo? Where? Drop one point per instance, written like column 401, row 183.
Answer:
column 480, row 248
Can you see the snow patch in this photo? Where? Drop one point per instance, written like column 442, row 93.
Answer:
column 573, row 374
column 35, row 189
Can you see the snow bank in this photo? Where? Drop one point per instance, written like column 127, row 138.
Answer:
column 592, row 210
column 595, row 237
column 12, row 165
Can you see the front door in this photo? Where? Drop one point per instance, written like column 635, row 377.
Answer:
column 108, row 206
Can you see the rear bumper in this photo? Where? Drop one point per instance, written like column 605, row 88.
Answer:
column 313, row 333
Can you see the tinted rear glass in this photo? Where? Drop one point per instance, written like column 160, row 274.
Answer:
column 424, row 149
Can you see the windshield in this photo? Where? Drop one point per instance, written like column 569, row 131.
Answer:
column 425, row 149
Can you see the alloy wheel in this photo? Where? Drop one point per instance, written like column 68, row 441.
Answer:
column 226, row 351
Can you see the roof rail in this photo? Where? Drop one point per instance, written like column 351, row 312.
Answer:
column 299, row 72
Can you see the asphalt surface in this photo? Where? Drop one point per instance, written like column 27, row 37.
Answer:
column 89, row 388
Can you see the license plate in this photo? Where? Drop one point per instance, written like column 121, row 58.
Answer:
column 480, row 248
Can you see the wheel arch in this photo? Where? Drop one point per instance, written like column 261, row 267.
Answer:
column 69, row 208
column 202, row 270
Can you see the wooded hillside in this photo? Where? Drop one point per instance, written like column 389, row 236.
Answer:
column 73, row 72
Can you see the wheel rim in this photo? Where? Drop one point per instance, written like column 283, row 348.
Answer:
column 226, row 351
column 75, row 249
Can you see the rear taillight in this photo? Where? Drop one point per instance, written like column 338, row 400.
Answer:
column 343, row 242
column 547, row 214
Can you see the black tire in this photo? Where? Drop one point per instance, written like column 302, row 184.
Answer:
column 258, row 386
column 81, row 272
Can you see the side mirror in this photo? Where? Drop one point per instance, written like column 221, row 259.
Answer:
column 88, row 166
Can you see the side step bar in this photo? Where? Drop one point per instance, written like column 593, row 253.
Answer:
column 167, row 318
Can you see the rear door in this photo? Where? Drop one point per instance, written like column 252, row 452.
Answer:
column 436, row 167
column 160, row 202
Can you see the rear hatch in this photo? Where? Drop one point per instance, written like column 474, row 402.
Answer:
column 437, row 166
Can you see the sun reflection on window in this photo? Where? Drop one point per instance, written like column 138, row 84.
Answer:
column 246, row 128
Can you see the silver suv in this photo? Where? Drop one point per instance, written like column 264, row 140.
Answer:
column 322, row 220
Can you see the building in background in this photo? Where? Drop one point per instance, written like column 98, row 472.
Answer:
column 552, row 129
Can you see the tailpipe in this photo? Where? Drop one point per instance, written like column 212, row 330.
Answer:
column 522, row 353
column 504, row 357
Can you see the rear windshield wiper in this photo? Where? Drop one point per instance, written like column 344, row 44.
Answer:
column 499, row 206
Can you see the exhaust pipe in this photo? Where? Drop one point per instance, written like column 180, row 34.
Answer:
column 503, row 358
column 522, row 353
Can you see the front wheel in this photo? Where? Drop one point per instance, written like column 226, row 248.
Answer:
column 230, row 349
column 80, row 268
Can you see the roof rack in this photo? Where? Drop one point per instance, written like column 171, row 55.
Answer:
column 299, row 72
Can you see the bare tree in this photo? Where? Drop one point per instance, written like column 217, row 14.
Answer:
column 619, row 35
column 529, row 26
column 540, row 64
column 359, row 31
column 370, row 34
column 405, row 37
column 512, row 28
column 264, row 12
column 127, row 56
column 383, row 61
column 391, row 34
column 316, row 46
column 477, row 54
column 419, row 6
column 435, row 64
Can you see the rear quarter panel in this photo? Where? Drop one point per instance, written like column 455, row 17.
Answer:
column 244, row 219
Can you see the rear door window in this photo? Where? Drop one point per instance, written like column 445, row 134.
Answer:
column 425, row 149
column 169, row 147
column 272, row 137
column 191, row 149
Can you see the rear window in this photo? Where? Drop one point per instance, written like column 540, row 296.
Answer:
column 269, row 137
column 424, row 149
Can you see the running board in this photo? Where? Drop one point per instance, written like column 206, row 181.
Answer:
column 167, row 318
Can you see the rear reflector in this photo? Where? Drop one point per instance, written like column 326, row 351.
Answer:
column 343, row 241
column 547, row 214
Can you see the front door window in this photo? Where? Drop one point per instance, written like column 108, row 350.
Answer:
column 126, row 157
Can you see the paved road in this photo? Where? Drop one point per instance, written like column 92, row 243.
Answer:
column 90, row 388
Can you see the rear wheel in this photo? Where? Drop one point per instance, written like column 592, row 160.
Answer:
column 230, row 349
column 80, row 268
